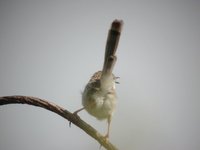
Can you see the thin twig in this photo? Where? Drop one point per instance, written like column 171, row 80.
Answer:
column 60, row 111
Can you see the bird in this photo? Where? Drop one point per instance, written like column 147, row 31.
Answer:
column 99, row 96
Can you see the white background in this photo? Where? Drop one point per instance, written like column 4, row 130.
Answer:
column 49, row 49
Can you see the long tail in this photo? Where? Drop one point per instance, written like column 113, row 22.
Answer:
column 111, row 47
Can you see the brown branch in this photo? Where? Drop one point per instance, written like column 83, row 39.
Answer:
column 60, row 111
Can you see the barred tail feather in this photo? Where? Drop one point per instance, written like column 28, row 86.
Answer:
column 111, row 47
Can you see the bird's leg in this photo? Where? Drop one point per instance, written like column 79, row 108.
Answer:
column 108, row 129
column 76, row 113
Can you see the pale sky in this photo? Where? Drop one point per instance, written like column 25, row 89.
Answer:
column 49, row 49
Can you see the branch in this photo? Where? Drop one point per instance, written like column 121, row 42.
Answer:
column 60, row 111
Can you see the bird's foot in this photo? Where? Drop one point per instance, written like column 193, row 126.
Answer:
column 75, row 114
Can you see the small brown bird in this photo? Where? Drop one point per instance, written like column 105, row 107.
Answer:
column 99, row 96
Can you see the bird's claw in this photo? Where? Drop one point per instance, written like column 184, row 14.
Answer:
column 116, row 78
column 75, row 114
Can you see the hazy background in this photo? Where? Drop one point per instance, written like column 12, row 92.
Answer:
column 49, row 49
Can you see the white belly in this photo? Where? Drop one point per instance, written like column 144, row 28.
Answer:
column 99, row 105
